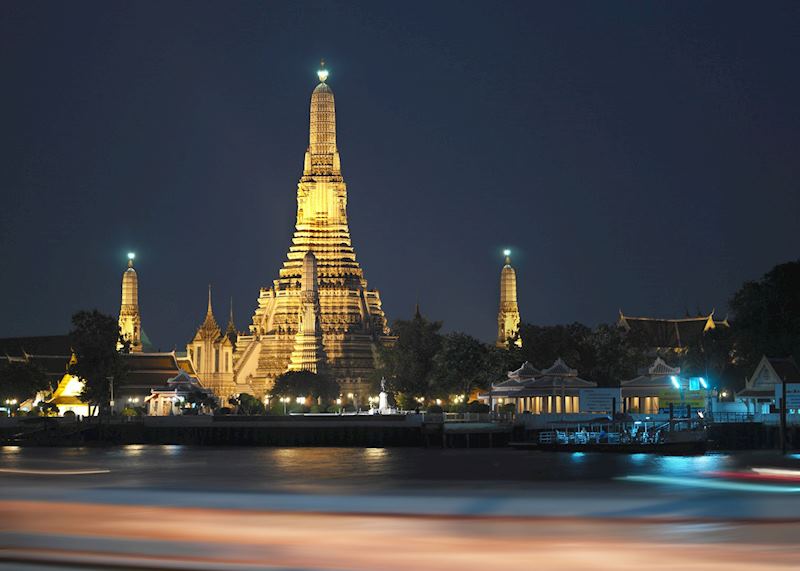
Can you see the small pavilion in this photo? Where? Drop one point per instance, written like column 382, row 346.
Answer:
column 553, row 390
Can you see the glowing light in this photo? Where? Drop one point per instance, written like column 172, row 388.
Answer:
column 322, row 74
column 703, row 383
column 713, row 484
column 131, row 255
column 675, row 382
column 506, row 252
column 52, row 472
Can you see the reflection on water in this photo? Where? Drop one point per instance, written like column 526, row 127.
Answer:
column 363, row 468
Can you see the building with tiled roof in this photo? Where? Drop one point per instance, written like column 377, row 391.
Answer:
column 553, row 390
column 50, row 353
column 674, row 334
column 759, row 391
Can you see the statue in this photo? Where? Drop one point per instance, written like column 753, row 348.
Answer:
column 383, row 398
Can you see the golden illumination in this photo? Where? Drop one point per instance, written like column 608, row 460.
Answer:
column 508, row 317
column 320, row 312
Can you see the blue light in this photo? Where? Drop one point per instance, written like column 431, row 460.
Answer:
column 675, row 382
column 703, row 382
column 710, row 484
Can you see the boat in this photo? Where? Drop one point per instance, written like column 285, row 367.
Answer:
column 683, row 437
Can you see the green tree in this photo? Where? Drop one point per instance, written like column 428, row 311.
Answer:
column 21, row 381
column 201, row 399
column 247, row 404
column 766, row 316
column 542, row 345
column 614, row 357
column 408, row 363
column 463, row 364
column 94, row 338
column 605, row 354
column 305, row 383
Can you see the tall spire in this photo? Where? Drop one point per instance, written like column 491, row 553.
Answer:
column 342, row 328
column 209, row 328
column 508, row 314
column 130, row 322
column 322, row 157
column 230, row 330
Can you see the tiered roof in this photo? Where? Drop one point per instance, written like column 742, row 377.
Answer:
column 527, row 379
column 656, row 375
column 670, row 333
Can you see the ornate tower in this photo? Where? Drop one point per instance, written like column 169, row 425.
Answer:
column 308, row 353
column 349, row 317
column 130, row 322
column 508, row 315
column 211, row 353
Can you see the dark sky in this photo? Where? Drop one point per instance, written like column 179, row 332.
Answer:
column 634, row 155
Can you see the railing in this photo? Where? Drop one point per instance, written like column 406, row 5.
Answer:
column 726, row 417
column 498, row 417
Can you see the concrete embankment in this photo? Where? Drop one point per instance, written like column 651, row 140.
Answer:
column 327, row 430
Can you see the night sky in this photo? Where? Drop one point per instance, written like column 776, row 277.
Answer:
column 641, row 156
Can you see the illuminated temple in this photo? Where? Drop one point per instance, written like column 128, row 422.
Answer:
column 319, row 314
column 508, row 313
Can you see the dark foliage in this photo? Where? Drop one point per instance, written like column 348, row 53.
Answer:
column 305, row 383
column 94, row 338
column 21, row 381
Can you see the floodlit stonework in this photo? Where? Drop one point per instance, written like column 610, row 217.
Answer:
column 344, row 312
column 508, row 314
column 211, row 352
column 130, row 322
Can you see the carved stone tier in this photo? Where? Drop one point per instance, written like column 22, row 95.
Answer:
column 348, row 318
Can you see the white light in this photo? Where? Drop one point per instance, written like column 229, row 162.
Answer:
column 322, row 74
column 675, row 382
column 131, row 255
column 506, row 252
column 703, row 382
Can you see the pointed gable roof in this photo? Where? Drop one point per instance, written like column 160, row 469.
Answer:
column 525, row 371
column 560, row 369
column 559, row 375
column 656, row 375
column 674, row 333
column 769, row 372
column 209, row 328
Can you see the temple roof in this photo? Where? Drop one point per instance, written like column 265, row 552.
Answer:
column 526, row 371
column 209, row 329
column 147, row 370
column 659, row 374
column 53, row 345
column 560, row 369
column 769, row 372
column 786, row 368
column 674, row 333
column 559, row 375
